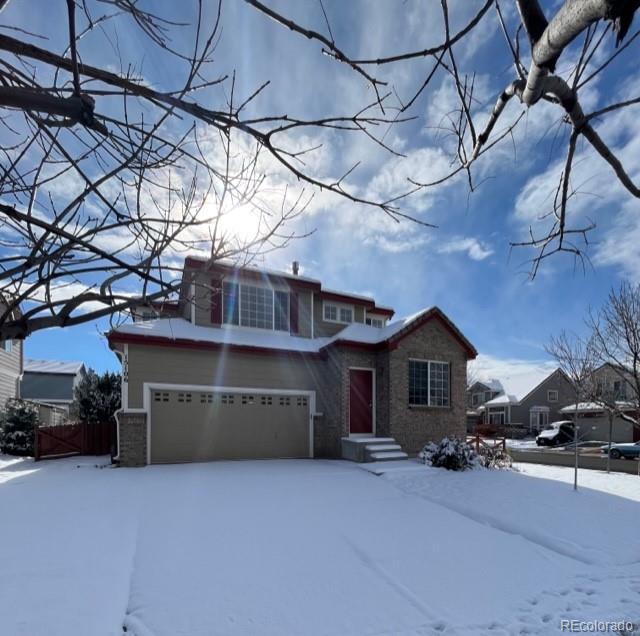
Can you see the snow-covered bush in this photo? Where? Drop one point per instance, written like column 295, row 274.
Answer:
column 452, row 454
column 17, row 427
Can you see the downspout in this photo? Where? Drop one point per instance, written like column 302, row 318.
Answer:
column 123, row 356
column 192, row 294
column 313, row 309
column 610, row 412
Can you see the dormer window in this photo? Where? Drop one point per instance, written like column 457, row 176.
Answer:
column 254, row 306
column 375, row 320
column 334, row 312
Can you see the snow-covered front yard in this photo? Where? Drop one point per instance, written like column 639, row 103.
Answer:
column 310, row 547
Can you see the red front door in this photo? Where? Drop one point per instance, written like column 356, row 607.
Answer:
column 360, row 401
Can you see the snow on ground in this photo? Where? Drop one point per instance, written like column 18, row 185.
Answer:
column 522, row 444
column 620, row 484
column 307, row 548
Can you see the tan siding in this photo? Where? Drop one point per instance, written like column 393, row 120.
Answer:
column 214, row 368
column 10, row 367
column 8, row 387
column 321, row 327
column 304, row 314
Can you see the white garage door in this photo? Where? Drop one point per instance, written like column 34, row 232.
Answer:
column 188, row 425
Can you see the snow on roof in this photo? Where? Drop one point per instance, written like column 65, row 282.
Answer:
column 502, row 399
column 52, row 366
column 358, row 332
column 493, row 384
column 594, row 407
column 260, row 270
column 349, row 294
column 181, row 329
column 517, row 386
column 290, row 275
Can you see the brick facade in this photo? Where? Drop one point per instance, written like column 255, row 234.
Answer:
column 132, row 431
column 413, row 426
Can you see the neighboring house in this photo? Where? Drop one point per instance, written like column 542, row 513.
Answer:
column 11, row 364
column 480, row 392
column 530, row 402
column 477, row 394
column 51, row 382
column 593, row 420
column 271, row 364
column 613, row 382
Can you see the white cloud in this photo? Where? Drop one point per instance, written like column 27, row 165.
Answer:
column 620, row 244
column 475, row 249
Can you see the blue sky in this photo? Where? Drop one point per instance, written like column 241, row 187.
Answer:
column 465, row 266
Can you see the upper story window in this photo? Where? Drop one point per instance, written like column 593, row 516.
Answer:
column 552, row 396
column 253, row 306
column 619, row 390
column 429, row 383
column 375, row 321
column 333, row 312
column 475, row 399
column 7, row 345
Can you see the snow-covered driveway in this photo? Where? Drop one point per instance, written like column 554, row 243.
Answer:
column 305, row 548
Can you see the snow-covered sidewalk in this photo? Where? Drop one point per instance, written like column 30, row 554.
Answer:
column 307, row 547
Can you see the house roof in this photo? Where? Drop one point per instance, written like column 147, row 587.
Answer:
column 52, row 366
column 260, row 273
column 518, row 386
column 181, row 331
column 492, row 385
column 595, row 407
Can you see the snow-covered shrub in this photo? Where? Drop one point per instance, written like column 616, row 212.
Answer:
column 452, row 454
column 17, row 427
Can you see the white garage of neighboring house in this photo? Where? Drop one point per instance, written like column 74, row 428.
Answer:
column 593, row 421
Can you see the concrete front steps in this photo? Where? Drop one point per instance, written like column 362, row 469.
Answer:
column 372, row 449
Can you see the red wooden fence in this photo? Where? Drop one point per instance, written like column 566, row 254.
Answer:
column 78, row 438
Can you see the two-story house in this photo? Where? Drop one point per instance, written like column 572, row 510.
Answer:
column 530, row 403
column 253, row 363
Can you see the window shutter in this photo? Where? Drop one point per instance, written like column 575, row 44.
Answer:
column 216, row 301
column 293, row 312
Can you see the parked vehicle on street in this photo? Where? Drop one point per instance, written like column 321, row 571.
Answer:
column 628, row 450
column 557, row 433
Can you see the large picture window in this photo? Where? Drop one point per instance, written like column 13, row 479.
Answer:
column 256, row 307
column 429, row 383
column 252, row 306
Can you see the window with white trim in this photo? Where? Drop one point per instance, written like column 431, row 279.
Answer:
column 552, row 396
column 254, row 306
column 7, row 345
column 375, row 322
column 334, row 312
column 429, row 383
